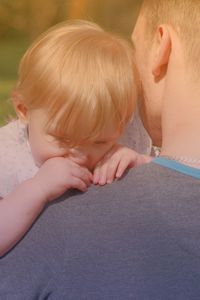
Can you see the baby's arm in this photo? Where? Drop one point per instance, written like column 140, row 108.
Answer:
column 20, row 208
column 116, row 162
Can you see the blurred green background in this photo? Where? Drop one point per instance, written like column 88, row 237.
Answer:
column 21, row 21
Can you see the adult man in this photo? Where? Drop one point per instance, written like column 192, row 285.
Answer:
column 138, row 238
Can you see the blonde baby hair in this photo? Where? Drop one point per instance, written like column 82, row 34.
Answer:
column 83, row 77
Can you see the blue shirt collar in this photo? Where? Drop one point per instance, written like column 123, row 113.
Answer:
column 174, row 165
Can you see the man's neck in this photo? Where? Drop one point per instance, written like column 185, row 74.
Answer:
column 181, row 119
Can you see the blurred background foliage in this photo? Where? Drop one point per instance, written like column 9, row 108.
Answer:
column 21, row 21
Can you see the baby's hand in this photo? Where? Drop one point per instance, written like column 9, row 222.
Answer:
column 115, row 163
column 59, row 174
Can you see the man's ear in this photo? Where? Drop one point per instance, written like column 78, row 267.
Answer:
column 20, row 108
column 162, row 53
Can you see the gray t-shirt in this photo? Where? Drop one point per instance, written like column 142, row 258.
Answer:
column 138, row 238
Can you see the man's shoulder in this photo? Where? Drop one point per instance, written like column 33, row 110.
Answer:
column 115, row 238
column 149, row 178
column 154, row 175
column 148, row 184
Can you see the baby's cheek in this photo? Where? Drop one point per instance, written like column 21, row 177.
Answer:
column 40, row 154
column 43, row 151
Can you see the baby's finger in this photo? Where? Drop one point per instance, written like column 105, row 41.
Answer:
column 96, row 175
column 143, row 159
column 112, row 169
column 78, row 184
column 103, row 174
column 122, row 166
column 83, row 174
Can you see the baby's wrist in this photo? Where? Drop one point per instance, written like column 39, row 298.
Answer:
column 36, row 190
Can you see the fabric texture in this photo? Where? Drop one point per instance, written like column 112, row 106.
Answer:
column 138, row 238
column 136, row 136
column 174, row 165
column 16, row 161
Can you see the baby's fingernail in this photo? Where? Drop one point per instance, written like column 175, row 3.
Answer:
column 118, row 175
column 94, row 180
column 102, row 182
column 109, row 181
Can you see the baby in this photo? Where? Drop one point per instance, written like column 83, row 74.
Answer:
column 74, row 97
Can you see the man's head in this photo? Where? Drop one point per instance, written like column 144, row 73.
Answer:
column 166, row 37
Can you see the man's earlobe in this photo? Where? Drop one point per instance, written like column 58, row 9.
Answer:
column 20, row 108
column 163, row 52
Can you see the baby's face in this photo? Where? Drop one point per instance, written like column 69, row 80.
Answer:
column 44, row 146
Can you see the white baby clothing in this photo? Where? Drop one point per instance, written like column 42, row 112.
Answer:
column 16, row 161
column 136, row 137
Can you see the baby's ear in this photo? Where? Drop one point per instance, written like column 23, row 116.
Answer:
column 20, row 108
